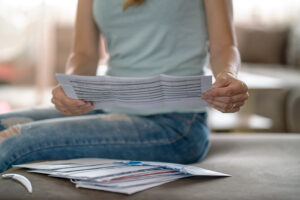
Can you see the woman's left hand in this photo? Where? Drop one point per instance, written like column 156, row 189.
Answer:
column 228, row 93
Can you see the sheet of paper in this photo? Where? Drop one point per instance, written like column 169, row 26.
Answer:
column 197, row 171
column 136, row 182
column 96, row 173
column 70, row 163
column 130, row 190
column 136, row 175
column 72, row 168
column 162, row 91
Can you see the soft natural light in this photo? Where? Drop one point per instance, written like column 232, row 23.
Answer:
column 266, row 11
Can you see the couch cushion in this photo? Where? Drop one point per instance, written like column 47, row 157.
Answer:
column 261, row 44
column 263, row 166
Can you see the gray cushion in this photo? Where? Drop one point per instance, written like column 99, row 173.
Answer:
column 259, row 44
column 263, row 166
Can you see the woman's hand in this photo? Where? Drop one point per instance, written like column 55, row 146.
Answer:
column 68, row 106
column 228, row 93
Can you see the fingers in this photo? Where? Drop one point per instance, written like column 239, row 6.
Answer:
column 231, row 90
column 68, row 106
column 74, row 110
column 230, row 100
column 227, row 96
column 232, row 110
column 61, row 97
column 226, row 107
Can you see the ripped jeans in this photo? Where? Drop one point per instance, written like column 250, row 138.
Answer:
column 45, row 134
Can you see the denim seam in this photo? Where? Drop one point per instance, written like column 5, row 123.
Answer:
column 182, row 118
column 98, row 143
column 202, row 119
column 186, row 131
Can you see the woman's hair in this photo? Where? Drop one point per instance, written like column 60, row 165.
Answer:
column 128, row 3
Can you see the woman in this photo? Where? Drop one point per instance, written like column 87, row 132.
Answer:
column 144, row 38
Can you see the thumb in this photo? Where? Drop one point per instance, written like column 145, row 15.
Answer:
column 222, row 80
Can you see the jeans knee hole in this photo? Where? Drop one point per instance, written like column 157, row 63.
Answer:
column 8, row 122
column 111, row 117
column 10, row 132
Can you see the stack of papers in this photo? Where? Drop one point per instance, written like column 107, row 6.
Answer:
column 121, row 176
column 162, row 91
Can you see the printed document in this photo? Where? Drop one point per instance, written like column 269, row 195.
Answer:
column 162, row 91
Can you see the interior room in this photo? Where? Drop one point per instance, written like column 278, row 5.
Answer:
column 258, row 146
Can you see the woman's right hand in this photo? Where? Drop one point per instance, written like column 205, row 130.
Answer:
column 68, row 106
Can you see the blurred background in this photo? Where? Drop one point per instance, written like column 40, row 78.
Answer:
column 36, row 38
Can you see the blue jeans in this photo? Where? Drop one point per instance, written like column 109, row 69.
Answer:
column 45, row 134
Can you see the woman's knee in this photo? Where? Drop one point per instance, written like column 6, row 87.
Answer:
column 7, row 121
column 26, row 116
column 11, row 148
column 9, row 132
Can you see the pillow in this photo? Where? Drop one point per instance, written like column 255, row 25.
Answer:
column 262, row 45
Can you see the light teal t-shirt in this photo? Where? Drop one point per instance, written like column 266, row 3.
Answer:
column 158, row 37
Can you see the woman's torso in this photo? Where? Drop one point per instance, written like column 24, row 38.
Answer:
column 157, row 37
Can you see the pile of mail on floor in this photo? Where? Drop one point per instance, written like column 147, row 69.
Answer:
column 117, row 175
